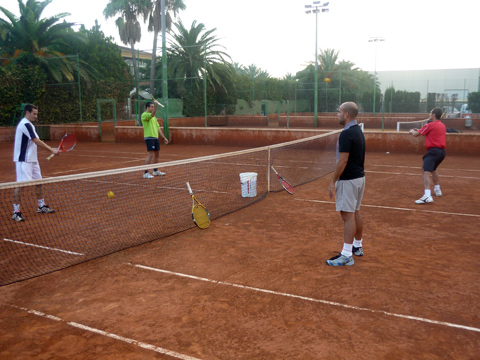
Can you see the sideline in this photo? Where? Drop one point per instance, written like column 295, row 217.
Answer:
column 396, row 208
column 43, row 247
column 332, row 303
column 107, row 334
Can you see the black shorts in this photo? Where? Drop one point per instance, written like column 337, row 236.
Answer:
column 433, row 158
column 153, row 144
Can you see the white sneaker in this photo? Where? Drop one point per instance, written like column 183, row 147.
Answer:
column 424, row 200
column 158, row 173
column 147, row 176
column 438, row 192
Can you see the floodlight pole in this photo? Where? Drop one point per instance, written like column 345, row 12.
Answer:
column 375, row 40
column 166, row 127
column 316, row 8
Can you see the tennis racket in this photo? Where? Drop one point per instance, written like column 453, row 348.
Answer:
column 286, row 185
column 147, row 95
column 67, row 143
column 200, row 215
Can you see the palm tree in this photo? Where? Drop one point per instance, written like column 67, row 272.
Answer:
column 127, row 23
column 240, row 69
column 155, row 23
column 327, row 60
column 40, row 37
column 191, row 50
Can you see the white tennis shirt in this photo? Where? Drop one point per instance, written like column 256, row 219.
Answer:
column 25, row 149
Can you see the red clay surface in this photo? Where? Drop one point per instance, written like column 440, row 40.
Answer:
column 255, row 285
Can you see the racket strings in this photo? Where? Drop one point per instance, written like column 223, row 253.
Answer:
column 201, row 216
column 68, row 143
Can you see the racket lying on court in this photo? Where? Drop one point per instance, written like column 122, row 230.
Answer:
column 67, row 143
column 286, row 185
column 200, row 215
column 147, row 95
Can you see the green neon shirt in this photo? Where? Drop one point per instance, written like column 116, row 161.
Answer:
column 150, row 125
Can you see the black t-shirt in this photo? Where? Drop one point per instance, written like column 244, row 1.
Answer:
column 352, row 141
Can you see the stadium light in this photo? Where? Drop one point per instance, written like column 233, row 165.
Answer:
column 315, row 8
column 375, row 40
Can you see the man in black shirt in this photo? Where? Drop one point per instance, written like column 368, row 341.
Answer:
column 348, row 183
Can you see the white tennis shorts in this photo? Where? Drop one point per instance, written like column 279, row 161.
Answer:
column 27, row 171
column 349, row 194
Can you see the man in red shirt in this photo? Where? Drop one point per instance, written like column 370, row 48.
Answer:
column 435, row 134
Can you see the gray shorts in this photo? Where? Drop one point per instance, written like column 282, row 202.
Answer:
column 349, row 194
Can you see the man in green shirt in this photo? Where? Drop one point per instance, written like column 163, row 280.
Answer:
column 151, row 130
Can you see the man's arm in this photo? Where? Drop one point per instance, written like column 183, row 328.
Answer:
column 339, row 167
column 165, row 140
column 155, row 104
column 45, row 146
column 416, row 132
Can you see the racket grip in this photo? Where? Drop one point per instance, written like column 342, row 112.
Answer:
column 189, row 188
column 51, row 156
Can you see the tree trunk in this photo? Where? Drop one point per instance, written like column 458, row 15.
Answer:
column 134, row 62
column 152, row 64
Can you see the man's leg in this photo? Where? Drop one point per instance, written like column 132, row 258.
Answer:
column 357, row 248
column 148, row 161
column 155, row 156
column 149, row 158
column 157, row 172
column 427, row 197
column 436, row 183
column 358, row 225
column 350, row 228
column 435, row 177
column 426, row 181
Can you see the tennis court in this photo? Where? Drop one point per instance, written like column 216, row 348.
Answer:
column 255, row 285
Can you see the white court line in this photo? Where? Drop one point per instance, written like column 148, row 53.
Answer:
column 396, row 208
column 419, row 167
column 420, row 174
column 43, row 247
column 326, row 302
column 110, row 335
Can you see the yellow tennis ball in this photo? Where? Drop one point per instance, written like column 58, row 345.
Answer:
column 110, row 194
column 327, row 80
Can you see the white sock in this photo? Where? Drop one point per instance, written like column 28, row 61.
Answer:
column 437, row 187
column 428, row 192
column 41, row 203
column 347, row 250
column 16, row 207
column 357, row 243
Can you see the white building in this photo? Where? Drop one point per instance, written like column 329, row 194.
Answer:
column 448, row 82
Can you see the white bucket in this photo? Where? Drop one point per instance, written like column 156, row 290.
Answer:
column 248, row 181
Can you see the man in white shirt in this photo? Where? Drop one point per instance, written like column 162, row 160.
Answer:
column 26, row 161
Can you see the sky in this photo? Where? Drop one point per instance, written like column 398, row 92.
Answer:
column 278, row 37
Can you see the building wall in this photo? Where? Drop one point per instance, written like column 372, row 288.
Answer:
column 447, row 81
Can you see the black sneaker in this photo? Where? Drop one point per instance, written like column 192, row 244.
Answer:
column 17, row 216
column 357, row 251
column 45, row 209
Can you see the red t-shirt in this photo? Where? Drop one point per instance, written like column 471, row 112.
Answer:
column 435, row 134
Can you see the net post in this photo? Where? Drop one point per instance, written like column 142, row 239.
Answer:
column 268, row 170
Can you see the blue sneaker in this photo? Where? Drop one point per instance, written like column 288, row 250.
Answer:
column 340, row 260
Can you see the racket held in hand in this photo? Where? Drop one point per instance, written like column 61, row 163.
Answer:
column 67, row 143
column 200, row 214
column 147, row 95
column 157, row 102
column 286, row 185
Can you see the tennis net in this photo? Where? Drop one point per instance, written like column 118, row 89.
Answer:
column 88, row 224
column 407, row 125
